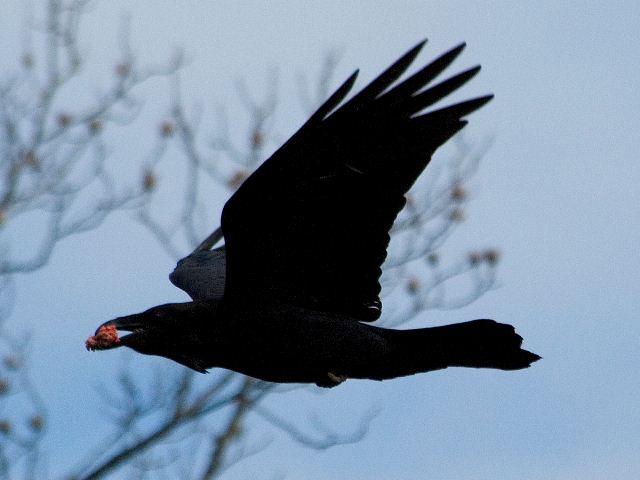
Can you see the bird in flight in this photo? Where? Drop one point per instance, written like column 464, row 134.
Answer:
column 290, row 295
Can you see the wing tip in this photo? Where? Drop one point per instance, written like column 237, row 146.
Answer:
column 352, row 78
column 483, row 100
column 457, row 49
column 418, row 47
column 473, row 71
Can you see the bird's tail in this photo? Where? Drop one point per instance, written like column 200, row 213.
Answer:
column 475, row 344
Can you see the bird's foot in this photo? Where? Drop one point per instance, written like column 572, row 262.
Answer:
column 331, row 380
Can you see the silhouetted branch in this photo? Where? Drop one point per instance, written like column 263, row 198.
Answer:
column 53, row 156
column 56, row 166
column 55, row 174
column 220, row 442
column 22, row 430
column 323, row 438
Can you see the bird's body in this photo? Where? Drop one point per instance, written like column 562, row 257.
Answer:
column 285, row 299
column 304, row 346
column 284, row 344
column 300, row 345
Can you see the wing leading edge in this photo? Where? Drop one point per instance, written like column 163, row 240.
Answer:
column 311, row 225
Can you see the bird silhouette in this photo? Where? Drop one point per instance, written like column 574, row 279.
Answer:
column 289, row 296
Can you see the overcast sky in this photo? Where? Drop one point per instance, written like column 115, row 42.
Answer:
column 558, row 193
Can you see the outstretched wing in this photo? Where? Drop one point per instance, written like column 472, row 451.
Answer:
column 201, row 274
column 311, row 225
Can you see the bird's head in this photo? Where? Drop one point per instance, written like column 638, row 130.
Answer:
column 173, row 330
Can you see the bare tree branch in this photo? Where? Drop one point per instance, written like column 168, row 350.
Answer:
column 56, row 166
column 54, row 174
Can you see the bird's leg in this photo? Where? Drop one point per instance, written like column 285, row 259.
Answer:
column 331, row 380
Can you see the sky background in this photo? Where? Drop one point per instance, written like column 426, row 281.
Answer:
column 558, row 193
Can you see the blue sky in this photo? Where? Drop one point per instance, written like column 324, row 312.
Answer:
column 557, row 193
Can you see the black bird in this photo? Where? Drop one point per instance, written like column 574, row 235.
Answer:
column 285, row 298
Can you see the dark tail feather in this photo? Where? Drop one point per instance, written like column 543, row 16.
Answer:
column 475, row 344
